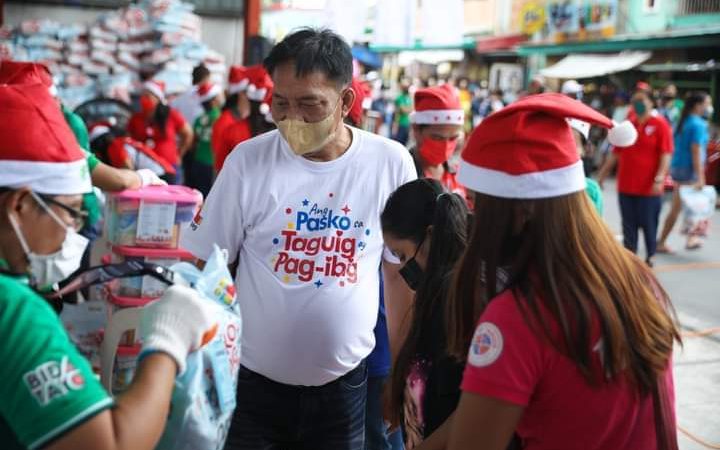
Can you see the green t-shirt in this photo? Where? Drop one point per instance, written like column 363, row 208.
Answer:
column 595, row 193
column 203, row 130
column 403, row 118
column 47, row 386
column 90, row 201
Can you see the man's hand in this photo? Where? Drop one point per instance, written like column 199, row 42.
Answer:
column 657, row 188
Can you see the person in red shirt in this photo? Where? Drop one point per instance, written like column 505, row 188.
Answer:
column 437, row 125
column 574, row 351
column 160, row 127
column 642, row 168
column 232, row 127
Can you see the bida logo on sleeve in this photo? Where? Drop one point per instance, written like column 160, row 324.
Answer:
column 53, row 379
column 319, row 245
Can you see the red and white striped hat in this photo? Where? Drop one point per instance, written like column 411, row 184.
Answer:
column 156, row 88
column 260, row 83
column 208, row 91
column 37, row 150
column 527, row 150
column 437, row 105
column 237, row 79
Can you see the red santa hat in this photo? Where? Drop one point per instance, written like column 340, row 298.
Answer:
column 362, row 91
column 260, row 83
column 527, row 150
column 437, row 105
column 208, row 91
column 156, row 88
column 237, row 80
column 38, row 149
column 98, row 129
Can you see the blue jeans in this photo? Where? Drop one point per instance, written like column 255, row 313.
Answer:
column 376, row 432
column 640, row 212
column 276, row 416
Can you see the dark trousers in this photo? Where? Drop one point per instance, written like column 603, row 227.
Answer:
column 276, row 416
column 377, row 436
column 199, row 176
column 402, row 135
column 640, row 212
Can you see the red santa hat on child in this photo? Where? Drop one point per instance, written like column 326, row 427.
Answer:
column 38, row 149
column 156, row 88
column 208, row 91
column 527, row 150
column 437, row 105
column 237, row 79
column 260, row 83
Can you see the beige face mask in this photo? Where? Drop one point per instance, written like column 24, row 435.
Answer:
column 304, row 137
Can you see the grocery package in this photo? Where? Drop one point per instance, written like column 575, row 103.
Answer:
column 203, row 399
column 124, row 368
column 107, row 57
column 698, row 207
column 116, row 303
column 150, row 217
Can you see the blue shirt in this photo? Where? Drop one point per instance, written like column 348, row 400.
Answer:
column 694, row 131
column 379, row 360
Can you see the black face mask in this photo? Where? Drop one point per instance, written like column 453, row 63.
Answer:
column 411, row 272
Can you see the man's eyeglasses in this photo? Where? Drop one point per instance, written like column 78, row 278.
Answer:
column 79, row 217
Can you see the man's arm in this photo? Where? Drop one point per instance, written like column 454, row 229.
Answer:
column 110, row 179
column 398, row 306
column 661, row 173
column 698, row 166
column 606, row 168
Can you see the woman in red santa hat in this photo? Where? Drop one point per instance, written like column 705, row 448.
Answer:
column 161, row 127
column 574, row 352
column 437, row 125
column 50, row 397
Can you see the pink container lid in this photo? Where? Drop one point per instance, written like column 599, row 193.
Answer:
column 164, row 194
column 129, row 302
column 140, row 252
column 129, row 350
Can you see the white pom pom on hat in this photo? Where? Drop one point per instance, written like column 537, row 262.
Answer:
column 622, row 134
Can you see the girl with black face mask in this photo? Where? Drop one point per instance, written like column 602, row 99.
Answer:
column 426, row 229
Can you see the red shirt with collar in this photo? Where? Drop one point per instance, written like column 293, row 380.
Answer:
column 164, row 144
column 228, row 132
column 639, row 163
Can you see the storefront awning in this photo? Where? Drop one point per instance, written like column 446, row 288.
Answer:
column 499, row 43
column 432, row 57
column 594, row 65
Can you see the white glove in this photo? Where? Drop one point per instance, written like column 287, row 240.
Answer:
column 180, row 322
column 149, row 178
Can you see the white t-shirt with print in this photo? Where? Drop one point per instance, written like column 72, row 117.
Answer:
column 309, row 243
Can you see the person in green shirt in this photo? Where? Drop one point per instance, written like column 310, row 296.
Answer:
column 403, row 108
column 201, row 171
column 50, row 397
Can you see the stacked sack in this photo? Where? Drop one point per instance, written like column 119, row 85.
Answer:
column 158, row 38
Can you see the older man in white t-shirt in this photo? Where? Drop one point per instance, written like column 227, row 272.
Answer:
column 299, row 207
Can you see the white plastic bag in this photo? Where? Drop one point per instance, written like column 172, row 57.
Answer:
column 203, row 398
column 698, row 207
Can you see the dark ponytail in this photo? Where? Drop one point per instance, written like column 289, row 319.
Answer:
column 691, row 101
column 409, row 212
column 160, row 118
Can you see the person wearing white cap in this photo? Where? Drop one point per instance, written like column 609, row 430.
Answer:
column 574, row 352
column 50, row 397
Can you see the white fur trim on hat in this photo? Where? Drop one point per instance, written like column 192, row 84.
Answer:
column 97, row 131
column 622, row 134
column 53, row 178
column 438, row 116
column 234, row 88
column 214, row 91
column 155, row 90
column 256, row 94
column 546, row 184
column 580, row 126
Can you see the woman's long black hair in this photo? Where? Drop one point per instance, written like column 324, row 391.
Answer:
column 160, row 118
column 408, row 214
column 691, row 101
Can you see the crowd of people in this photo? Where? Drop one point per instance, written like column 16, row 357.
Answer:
column 460, row 292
